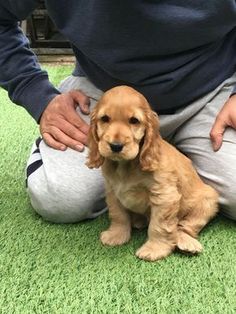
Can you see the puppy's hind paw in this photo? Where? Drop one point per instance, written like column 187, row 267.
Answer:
column 188, row 244
column 139, row 223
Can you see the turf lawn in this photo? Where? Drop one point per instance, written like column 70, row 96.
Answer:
column 49, row 268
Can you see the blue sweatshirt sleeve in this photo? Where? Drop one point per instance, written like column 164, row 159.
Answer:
column 20, row 72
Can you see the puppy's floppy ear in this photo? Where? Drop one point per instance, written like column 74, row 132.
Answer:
column 94, row 159
column 149, row 154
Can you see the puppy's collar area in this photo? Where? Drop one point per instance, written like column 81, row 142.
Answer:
column 124, row 164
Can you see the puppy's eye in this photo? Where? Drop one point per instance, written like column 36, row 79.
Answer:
column 105, row 119
column 134, row 120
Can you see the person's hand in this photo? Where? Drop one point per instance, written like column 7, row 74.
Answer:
column 225, row 118
column 61, row 126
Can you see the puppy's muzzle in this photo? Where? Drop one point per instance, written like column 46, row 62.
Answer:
column 116, row 147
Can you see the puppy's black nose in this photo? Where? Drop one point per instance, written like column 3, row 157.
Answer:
column 116, row 147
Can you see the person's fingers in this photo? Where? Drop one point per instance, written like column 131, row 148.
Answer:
column 217, row 132
column 74, row 118
column 61, row 125
column 68, row 120
column 75, row 133
column 82, row 100
column 56, row 139
column 50, row 141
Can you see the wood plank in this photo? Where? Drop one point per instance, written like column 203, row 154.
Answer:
column 56, row 59
column 53, row 51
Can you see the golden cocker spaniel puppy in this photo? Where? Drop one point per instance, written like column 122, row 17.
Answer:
column 147, row 179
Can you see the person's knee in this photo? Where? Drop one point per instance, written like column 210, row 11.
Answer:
column 56, row 205
column 228, row 202
column 229, row 211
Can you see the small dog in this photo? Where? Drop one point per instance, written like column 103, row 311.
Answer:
column 147, row 180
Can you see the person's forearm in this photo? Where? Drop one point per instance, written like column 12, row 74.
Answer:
column 20, row 73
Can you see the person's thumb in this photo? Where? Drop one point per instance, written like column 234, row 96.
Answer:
column 82, row 100
column 217, row 133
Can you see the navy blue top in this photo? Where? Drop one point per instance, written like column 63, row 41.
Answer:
column 171, row 51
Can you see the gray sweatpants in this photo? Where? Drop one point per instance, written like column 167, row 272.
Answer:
column 62, row 189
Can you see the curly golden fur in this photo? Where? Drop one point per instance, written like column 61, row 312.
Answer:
column 147, row 180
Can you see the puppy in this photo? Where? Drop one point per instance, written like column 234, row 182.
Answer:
column 147, row 179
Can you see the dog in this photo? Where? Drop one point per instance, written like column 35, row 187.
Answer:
column 147, row 180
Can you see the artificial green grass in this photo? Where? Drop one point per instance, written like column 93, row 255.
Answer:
column 62, row 269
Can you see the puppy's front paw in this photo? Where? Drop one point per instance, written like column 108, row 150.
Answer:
column 152, row 251
column 188, row 244
column 115, row 237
